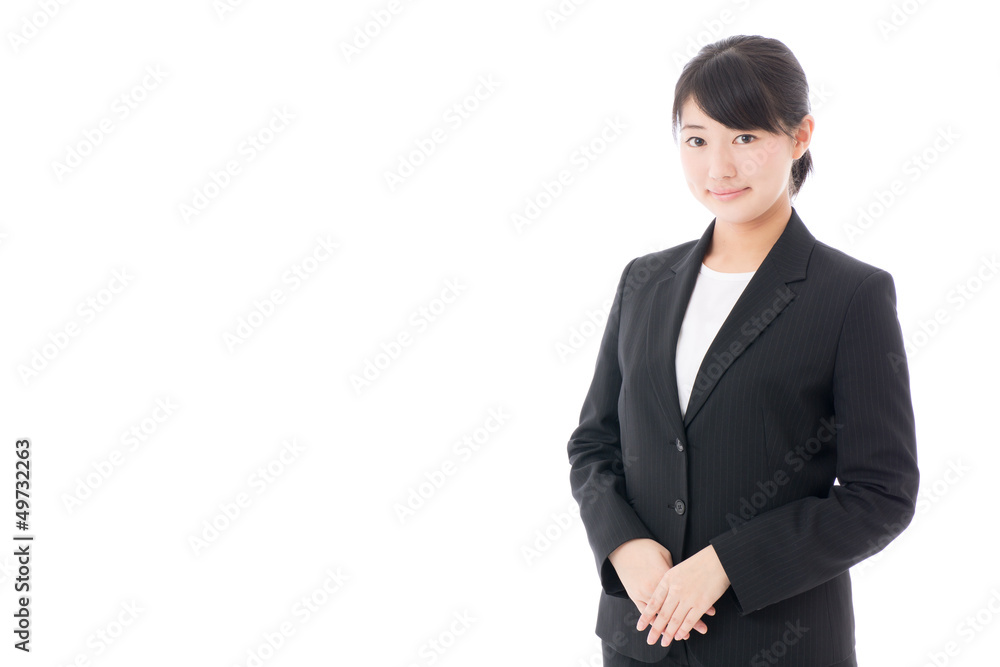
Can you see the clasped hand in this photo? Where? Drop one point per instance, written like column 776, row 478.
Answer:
column 682, row 593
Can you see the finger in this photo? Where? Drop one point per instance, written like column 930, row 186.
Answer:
column 673, row 626
column 661, row 620
column 653, row 607
column 670, row 613
column 686, row 625
column 667, row 610
column 700, row 625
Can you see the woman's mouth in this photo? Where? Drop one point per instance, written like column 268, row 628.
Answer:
column 726, row 195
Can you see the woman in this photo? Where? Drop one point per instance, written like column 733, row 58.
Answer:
column 738, row 378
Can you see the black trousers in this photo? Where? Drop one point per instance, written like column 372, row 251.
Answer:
column 677, row 657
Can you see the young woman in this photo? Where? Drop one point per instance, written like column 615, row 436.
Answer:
column 748, row 435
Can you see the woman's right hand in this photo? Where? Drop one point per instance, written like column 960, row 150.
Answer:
column 640, row 564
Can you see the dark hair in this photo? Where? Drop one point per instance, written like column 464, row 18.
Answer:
column 748, row 82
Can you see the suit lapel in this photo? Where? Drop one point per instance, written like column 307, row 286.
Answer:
column 764, row 298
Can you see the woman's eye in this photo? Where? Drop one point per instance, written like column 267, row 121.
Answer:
column 749, row 137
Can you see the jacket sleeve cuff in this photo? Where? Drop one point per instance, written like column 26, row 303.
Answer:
column 610, row 581
column 612, row 522
column 725, row 549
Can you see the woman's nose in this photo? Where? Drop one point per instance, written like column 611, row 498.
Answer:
column 721, row 165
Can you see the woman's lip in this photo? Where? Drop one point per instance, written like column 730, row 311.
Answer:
column 728, row 195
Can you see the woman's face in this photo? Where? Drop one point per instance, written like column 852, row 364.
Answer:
column 753, row 165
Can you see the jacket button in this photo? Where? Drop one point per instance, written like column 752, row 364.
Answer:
column 679, row 506
column 680, row 446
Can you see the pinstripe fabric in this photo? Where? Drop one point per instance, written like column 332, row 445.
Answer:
column 805, row 383
column 678, row 656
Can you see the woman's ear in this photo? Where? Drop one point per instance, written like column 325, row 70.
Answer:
column 803, row 136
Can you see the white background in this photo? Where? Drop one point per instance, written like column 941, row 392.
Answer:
column 880, row 99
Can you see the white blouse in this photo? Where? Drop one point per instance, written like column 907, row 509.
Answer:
column 715, row 293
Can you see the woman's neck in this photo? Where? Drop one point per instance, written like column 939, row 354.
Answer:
column 741, row 247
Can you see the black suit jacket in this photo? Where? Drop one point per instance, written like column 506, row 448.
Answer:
column 806, row 383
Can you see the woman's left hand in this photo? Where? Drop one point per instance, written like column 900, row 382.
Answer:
column 684, row 594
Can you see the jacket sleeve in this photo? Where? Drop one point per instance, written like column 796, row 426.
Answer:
column 802, row 544
column 597, row 474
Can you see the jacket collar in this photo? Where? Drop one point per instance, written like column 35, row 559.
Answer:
column 764, row 298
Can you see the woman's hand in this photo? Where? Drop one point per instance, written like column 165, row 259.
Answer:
column 641, row 564
column 685, row 592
